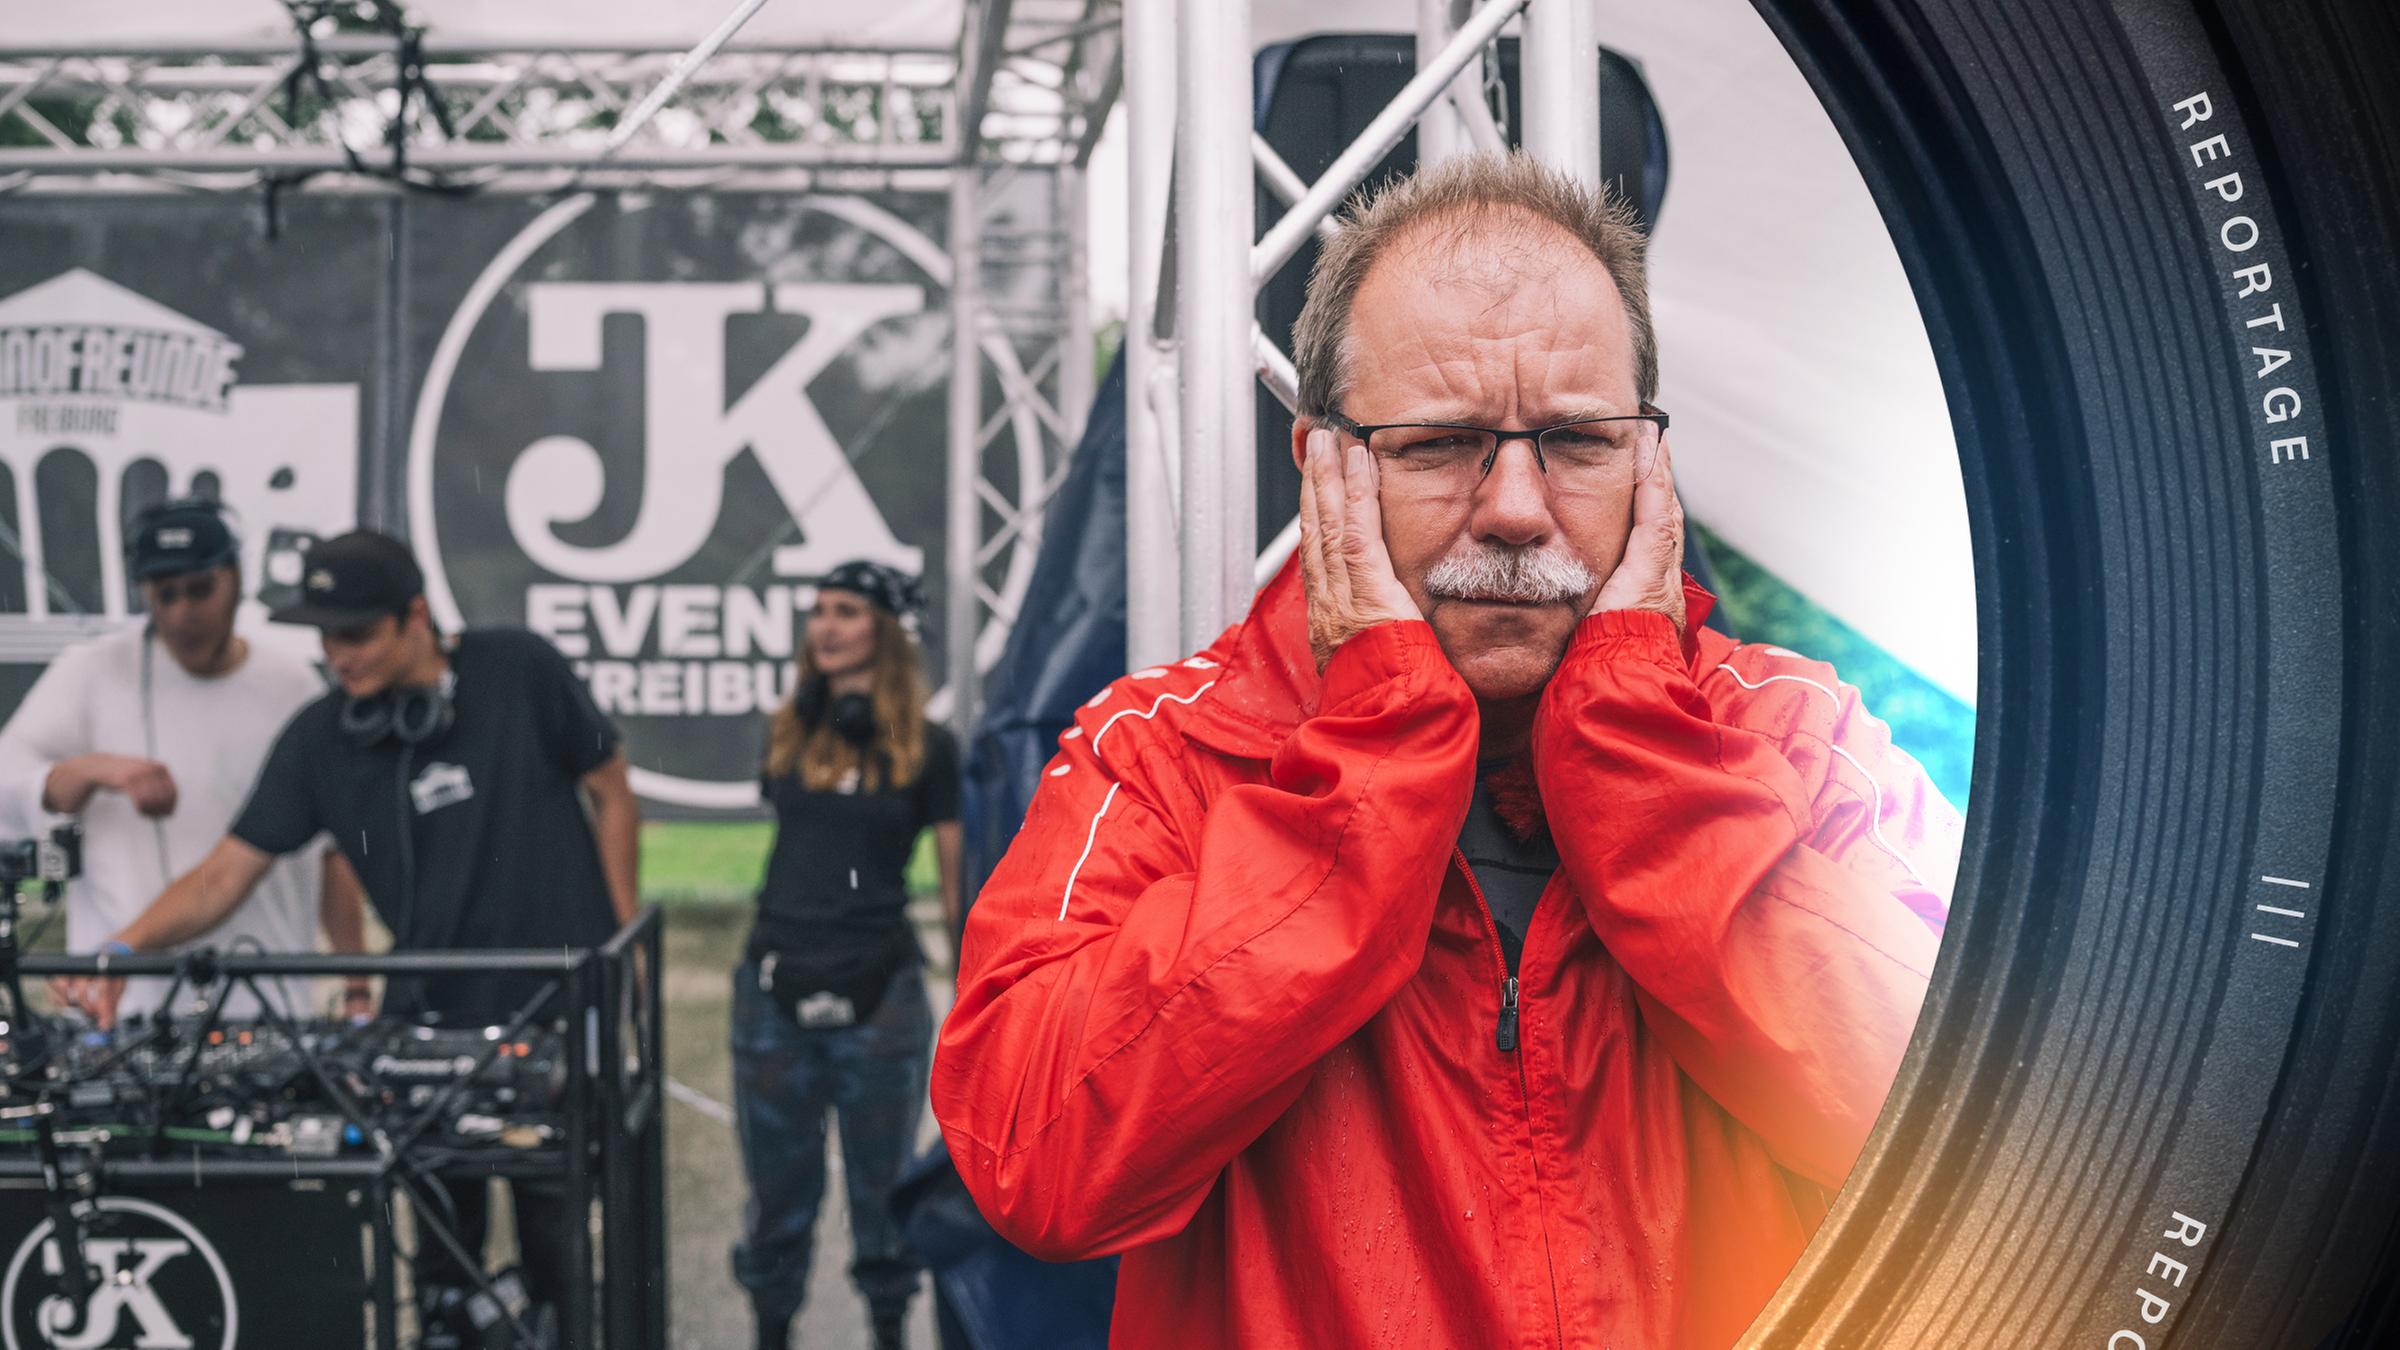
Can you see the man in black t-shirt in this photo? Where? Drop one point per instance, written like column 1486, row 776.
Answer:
column 454, row 775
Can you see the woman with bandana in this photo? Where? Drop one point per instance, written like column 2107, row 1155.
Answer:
column 829, row 1010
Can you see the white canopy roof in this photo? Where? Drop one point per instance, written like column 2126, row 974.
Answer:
column 598, row 23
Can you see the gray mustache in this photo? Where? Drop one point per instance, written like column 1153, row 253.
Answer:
column 1531, row 576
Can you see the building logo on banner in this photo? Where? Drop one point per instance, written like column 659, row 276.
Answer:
column 650, row 470
column 160, row 1285
column 109, row 399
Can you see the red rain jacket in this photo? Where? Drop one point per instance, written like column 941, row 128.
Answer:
column 1233, row 1006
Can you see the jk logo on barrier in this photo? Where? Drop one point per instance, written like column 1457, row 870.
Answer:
column 125, row 1270
column 160, row 1286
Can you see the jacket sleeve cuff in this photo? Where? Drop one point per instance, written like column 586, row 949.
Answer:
column 1372, row 659
column 1640, row 634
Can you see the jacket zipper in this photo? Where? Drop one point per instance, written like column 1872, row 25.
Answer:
column 1506, row 1037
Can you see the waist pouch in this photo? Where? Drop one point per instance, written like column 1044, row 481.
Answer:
column 837, row 984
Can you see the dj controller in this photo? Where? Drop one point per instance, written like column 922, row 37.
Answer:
column 167, row 1178
column 312, row 1088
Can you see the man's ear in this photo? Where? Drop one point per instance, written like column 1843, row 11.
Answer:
column 1301, row 426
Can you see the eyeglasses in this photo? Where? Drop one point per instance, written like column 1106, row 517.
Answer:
column 1443, row 459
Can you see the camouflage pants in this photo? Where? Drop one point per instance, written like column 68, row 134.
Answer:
column 785, row 1080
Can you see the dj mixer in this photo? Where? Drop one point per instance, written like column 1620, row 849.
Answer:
column 314, row 1087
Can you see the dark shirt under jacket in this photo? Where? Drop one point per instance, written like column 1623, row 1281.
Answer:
column 1510, row 872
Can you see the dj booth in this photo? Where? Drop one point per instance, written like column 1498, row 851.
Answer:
column 232, row 1183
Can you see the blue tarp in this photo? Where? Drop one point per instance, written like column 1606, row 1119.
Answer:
column 1069, row 641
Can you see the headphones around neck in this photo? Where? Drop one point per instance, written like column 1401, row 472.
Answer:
column 852, row 716
column 412, row 714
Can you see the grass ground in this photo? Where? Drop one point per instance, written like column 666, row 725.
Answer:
column 722, row 861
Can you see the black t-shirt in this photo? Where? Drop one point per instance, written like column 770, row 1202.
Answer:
column 835, row 875
column 499, row 849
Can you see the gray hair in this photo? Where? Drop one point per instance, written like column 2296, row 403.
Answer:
column 1463, row 190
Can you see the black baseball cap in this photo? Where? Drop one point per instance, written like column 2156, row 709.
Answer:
column 351, row 580
column 173, row 538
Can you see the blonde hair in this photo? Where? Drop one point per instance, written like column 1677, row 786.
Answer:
column 1463, row 192
column 819, row 754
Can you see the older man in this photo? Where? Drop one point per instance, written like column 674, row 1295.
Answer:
column 1466, row 949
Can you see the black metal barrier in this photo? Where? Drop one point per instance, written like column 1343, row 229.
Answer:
column 282, row 1194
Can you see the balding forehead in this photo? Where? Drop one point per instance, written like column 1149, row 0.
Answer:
column 1486, row 245
column 1458, row 263
column 1479, row 317
column 1436, row 247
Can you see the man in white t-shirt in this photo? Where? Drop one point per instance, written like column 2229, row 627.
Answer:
column 152, row 737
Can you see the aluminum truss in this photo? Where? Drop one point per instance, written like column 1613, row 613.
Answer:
column 1021, row 94
column 478, row 116
column 1030, row 73
column 1034, row 77
column 1196, row 354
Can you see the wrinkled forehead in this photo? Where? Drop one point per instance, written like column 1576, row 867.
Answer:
column 1499, row 295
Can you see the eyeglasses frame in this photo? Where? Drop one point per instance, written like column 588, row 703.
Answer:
column 1532, row 436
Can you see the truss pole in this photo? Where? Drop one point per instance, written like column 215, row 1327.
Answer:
column 1214, row 298
column 1283, row 182
column 1483, row 132
column 1274, row 370
column 1153, row 560
column 1352, row 166
column 1560, row 59
column 962, row 606
column 676, row 78
column 1441, row 132
column 1075, row 333
column 983, row 32
column 362, row 44
column 462, row 156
